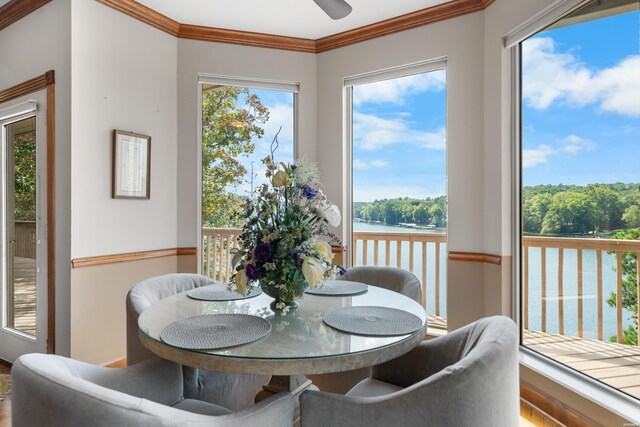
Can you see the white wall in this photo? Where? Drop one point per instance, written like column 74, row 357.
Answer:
column 239, row 61
column 124, row 77
column 500, row 19
column 28, row 48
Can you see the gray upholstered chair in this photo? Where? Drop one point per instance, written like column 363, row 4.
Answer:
column 50, row 390
column 394, row 279
column 468, row 377
column 233, row 391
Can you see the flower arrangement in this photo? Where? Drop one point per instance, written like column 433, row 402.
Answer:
column 285, row 244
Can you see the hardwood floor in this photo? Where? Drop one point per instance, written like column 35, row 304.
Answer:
column 5, row 405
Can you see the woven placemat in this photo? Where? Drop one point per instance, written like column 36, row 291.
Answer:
column 373, row 321
column 213, row 331
column 220, row 292
column 338, row 288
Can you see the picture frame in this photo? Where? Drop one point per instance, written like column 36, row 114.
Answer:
column 131, row 165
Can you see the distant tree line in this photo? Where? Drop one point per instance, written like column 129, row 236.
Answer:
column 429, row 211
column 573, row 209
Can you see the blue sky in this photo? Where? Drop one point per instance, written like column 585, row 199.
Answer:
column 399, row 138
column 581, row 117
column 280, row 105
column 581, row 103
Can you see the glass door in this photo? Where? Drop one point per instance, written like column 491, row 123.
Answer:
column 23, row 213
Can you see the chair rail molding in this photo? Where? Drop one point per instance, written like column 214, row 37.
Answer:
column 130, row 256
column 475, row 257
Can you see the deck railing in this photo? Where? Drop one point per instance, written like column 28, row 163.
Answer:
column 217, row 243
column 600, row 246
column 414, row 240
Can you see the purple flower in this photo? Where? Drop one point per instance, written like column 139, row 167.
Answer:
column 251, row 272
column 262, row 252
column 341, row 270
column 309, row 192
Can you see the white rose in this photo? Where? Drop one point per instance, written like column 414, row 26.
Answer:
column 325, row 250
column 331, row 213
column 312, row 271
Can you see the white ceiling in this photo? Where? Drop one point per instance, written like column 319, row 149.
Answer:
column 294, row 18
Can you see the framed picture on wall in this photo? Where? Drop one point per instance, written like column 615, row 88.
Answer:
column 131, row 165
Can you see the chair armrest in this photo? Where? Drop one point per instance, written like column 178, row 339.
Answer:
column 156, row 379
column 428, row 358
column 275, row 411
column 321, row 409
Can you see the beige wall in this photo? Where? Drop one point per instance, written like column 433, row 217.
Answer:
column 28, row 48
column 238, row 61
column 124, row 77
column 98, row 317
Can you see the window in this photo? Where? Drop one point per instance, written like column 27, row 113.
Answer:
column 580, row 191
column 398, row 175
column 242, row 123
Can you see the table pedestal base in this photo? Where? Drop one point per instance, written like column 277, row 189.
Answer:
column 294, row 384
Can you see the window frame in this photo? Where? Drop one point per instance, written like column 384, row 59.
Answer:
column 245, row 82
column 348, row 83
column 606, row 396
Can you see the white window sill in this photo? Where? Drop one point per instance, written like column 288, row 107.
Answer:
column 610, row 399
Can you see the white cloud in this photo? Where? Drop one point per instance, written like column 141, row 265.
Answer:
column 395, row 90
column 574, row 144
column 279, row 115
column 536, row 156
column 361, row 164
column 571, row 145
column 551, row 77
column 373, row 132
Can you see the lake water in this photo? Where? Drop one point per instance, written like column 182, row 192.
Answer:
column 570, row 282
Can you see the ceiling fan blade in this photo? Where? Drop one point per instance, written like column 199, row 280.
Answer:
column 336, row 9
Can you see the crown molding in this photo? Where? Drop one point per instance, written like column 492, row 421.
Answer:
column 429, row 15
column 408, row 21
column 144, row 14
column 246, row 38
column 18, row 9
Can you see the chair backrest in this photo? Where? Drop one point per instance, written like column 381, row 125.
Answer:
column 146, row 293
column 58, row 392
column 468, row 377
column 394, row 279
column 470, row 374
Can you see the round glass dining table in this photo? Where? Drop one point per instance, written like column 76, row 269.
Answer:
column 299, row 343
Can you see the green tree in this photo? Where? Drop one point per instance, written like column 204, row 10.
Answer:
column 438, row 215
column 25, row 176
column 228, row 127
column 631, row 216
column 569, row 213
column 608, row 207
column 629, row 285
column 421, row 215
column 534, row 210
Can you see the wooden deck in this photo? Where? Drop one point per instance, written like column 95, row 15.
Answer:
column 615, row 364
column 25, row 295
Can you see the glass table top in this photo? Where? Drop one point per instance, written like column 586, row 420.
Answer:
column 300, row 334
